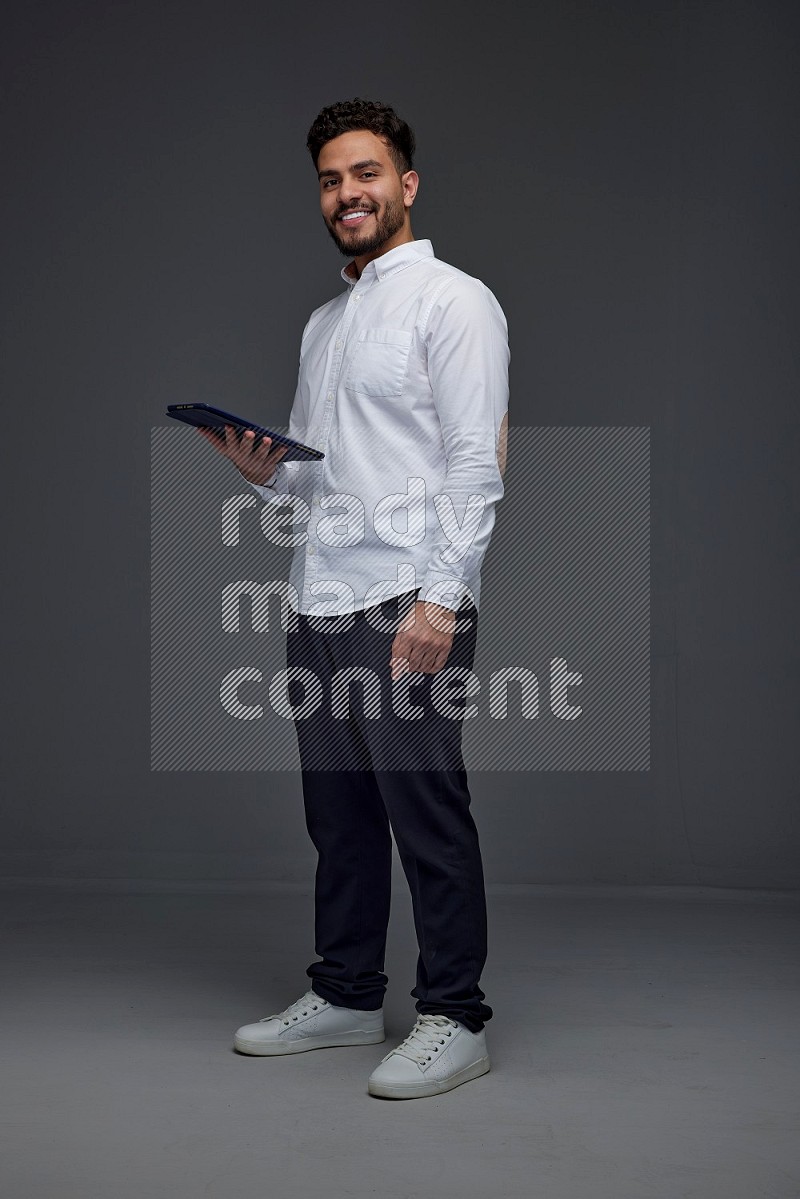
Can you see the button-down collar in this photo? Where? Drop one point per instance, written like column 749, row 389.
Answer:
column 393, row 260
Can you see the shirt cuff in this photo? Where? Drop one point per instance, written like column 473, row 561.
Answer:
column 444, row 590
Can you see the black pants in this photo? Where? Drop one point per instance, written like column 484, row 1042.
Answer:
column 365, row 768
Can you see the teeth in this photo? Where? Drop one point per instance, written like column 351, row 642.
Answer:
column 351, row 216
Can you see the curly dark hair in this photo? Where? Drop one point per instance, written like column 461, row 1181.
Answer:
column 349, row 115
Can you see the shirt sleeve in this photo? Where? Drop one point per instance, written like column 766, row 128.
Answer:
column 466, row 337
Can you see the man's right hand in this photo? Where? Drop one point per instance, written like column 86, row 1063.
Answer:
column 254, row 457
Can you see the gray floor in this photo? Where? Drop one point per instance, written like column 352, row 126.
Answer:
column 645, row 1043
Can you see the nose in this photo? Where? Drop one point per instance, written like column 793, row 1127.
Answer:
column 348, row 192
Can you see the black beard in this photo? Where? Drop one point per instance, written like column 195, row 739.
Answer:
column 386, row 225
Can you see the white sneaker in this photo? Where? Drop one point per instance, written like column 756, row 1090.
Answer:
column 437, row 1055
column 310, row 1023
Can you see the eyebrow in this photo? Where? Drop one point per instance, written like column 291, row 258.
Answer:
column 356, row 166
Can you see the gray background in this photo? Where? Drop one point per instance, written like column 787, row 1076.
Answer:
column 623, row 177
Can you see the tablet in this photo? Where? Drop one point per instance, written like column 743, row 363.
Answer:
column 216, row 419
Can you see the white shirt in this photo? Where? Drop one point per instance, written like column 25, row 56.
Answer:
column 403, row 384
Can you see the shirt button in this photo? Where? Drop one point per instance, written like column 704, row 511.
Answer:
column 311, row 549
column 356, row 299
column 330, row 395
column 338, row 345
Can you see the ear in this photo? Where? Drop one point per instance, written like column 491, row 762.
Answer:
column 410, row 182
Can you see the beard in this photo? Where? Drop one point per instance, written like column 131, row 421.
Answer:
column 387, row 223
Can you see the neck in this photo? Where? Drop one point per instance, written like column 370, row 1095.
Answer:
column 360, row 261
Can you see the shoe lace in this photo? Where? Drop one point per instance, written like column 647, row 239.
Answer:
column 426, row 1038
column 310, row 1002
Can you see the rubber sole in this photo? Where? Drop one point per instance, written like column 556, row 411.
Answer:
column 383, row 1090
column 332, row 1041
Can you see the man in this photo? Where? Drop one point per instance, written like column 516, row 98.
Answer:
column 403, row 383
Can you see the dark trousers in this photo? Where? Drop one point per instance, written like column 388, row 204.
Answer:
column 366, row 768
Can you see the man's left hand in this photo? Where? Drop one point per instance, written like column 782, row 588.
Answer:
column 423, row 640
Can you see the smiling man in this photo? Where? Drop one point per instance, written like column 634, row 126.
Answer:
column 403, row 381
column 380, row 216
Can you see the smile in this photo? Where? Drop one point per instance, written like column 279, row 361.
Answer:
column 356, row 217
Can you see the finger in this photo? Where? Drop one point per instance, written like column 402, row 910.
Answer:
column 435, row 659
column 403, row 648
column 255, row 449
column 231, row 441
column 438, row 662
column 275, row 454
column 399, row 668
column 246, row 456
column 271, row 451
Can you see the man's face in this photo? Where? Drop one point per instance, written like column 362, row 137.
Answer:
column 365, row 203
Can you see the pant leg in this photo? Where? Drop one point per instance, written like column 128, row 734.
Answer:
column 348, row 825
column 420, row 772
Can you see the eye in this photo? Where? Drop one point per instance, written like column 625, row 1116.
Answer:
column 371, row 174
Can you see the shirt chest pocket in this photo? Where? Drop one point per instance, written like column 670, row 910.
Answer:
column 379, row 363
